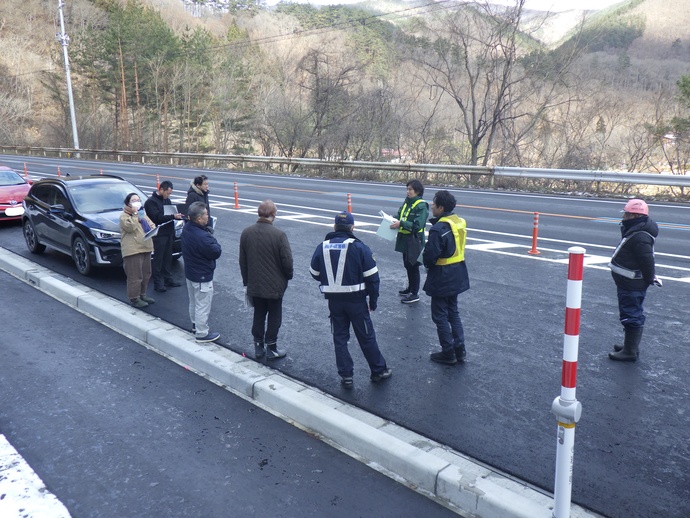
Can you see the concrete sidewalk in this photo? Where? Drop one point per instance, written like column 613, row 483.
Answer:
column 454, row 480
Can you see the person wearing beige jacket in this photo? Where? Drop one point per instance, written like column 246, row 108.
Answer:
column 136, row 250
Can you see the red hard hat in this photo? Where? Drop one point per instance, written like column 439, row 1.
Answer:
column 636, row 207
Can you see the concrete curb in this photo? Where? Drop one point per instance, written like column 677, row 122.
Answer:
column 452, row 479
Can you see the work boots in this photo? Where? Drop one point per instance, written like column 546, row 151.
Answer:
column 259, row 349
column 272, row 351
column 446, row 356
column 630, row 350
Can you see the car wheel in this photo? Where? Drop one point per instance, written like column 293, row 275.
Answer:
column 31, row 239
column 80, row 256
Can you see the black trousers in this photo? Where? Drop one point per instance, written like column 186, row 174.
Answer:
column 413, row 277
column 162, row 260
column 271, row 308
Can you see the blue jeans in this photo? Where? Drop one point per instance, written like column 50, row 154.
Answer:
column 630, row 308
column 444, row 313
column 344, row 313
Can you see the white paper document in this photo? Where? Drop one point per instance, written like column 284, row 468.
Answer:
column 385, row 230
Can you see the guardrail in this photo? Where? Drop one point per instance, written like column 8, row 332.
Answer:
column 293, row 163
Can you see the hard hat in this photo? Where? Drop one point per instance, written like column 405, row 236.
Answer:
column 636, row 207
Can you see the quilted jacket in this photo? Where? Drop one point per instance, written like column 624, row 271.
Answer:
column 265, row 260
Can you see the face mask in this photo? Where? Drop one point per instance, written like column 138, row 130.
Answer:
column 136, row 205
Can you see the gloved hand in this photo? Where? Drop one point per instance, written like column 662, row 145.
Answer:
column 657, row 282
column 373, row 304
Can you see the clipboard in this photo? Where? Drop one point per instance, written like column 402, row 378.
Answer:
column 385, row 231
column 170, row 210
column 151, row 233
column 154, row 231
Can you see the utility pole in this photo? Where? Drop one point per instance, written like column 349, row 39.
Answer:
column 64, row 40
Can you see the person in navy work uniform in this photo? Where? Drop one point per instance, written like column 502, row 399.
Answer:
column 632, row 267
column 347, row 273
column 447, row 277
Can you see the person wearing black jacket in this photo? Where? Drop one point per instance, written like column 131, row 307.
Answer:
column 163, row 240
column 633, row 270
column 198, row 191
column 200, row 250
column 447, row 277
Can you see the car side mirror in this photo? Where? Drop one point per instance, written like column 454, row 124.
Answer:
column 57, row 209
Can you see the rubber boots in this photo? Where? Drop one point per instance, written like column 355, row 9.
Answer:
column 631, row 346
column 272, row 351
column 259, row 349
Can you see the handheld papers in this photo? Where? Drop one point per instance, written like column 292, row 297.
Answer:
column 151, row 233
column 385, row 230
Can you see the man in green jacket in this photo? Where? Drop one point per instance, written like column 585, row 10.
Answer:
column 411, row 222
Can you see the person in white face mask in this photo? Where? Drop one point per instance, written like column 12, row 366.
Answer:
column 136, row 250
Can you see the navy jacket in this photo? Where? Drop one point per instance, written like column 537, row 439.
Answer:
column 360, row 275
column 445, row 280
column 199, row 251
column 637, row 253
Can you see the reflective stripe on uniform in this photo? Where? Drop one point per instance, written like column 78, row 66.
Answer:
column 335, row 283
column 459, row 229
column 374, row 270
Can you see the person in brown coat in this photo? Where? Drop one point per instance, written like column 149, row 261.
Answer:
column 136, row 250
column 266, row 267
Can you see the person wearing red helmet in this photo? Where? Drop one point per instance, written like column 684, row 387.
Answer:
column 633, row 270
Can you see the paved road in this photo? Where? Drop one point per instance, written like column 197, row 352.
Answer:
column 631, row 451
column 114, row 429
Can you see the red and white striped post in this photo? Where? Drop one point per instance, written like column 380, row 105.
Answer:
column 535, row 233
column 158, row 182
column 26, row 172
column 237, row 199
column 566, row 407
column 349, row 202
column 59, row 175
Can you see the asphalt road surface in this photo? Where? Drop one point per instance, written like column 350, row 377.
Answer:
column 632, row 456
column 114, row 429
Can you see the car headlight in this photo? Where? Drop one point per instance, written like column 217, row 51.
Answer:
column 105, row 234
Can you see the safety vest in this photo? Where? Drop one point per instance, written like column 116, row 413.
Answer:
column 406, row 212
column 459, row 229
column 335, row 283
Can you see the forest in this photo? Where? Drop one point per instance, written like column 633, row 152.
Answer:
column 463, row 82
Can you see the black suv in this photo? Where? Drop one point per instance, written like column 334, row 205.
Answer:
column 80, row 216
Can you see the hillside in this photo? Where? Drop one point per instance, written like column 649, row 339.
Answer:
column 430, row 83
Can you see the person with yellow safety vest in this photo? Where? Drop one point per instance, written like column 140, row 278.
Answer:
column 447, row 277
column 411, row 223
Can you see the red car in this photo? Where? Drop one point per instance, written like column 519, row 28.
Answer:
column 13, row 188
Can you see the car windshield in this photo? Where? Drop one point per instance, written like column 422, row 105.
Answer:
column 101, row 197
column 10, row 178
